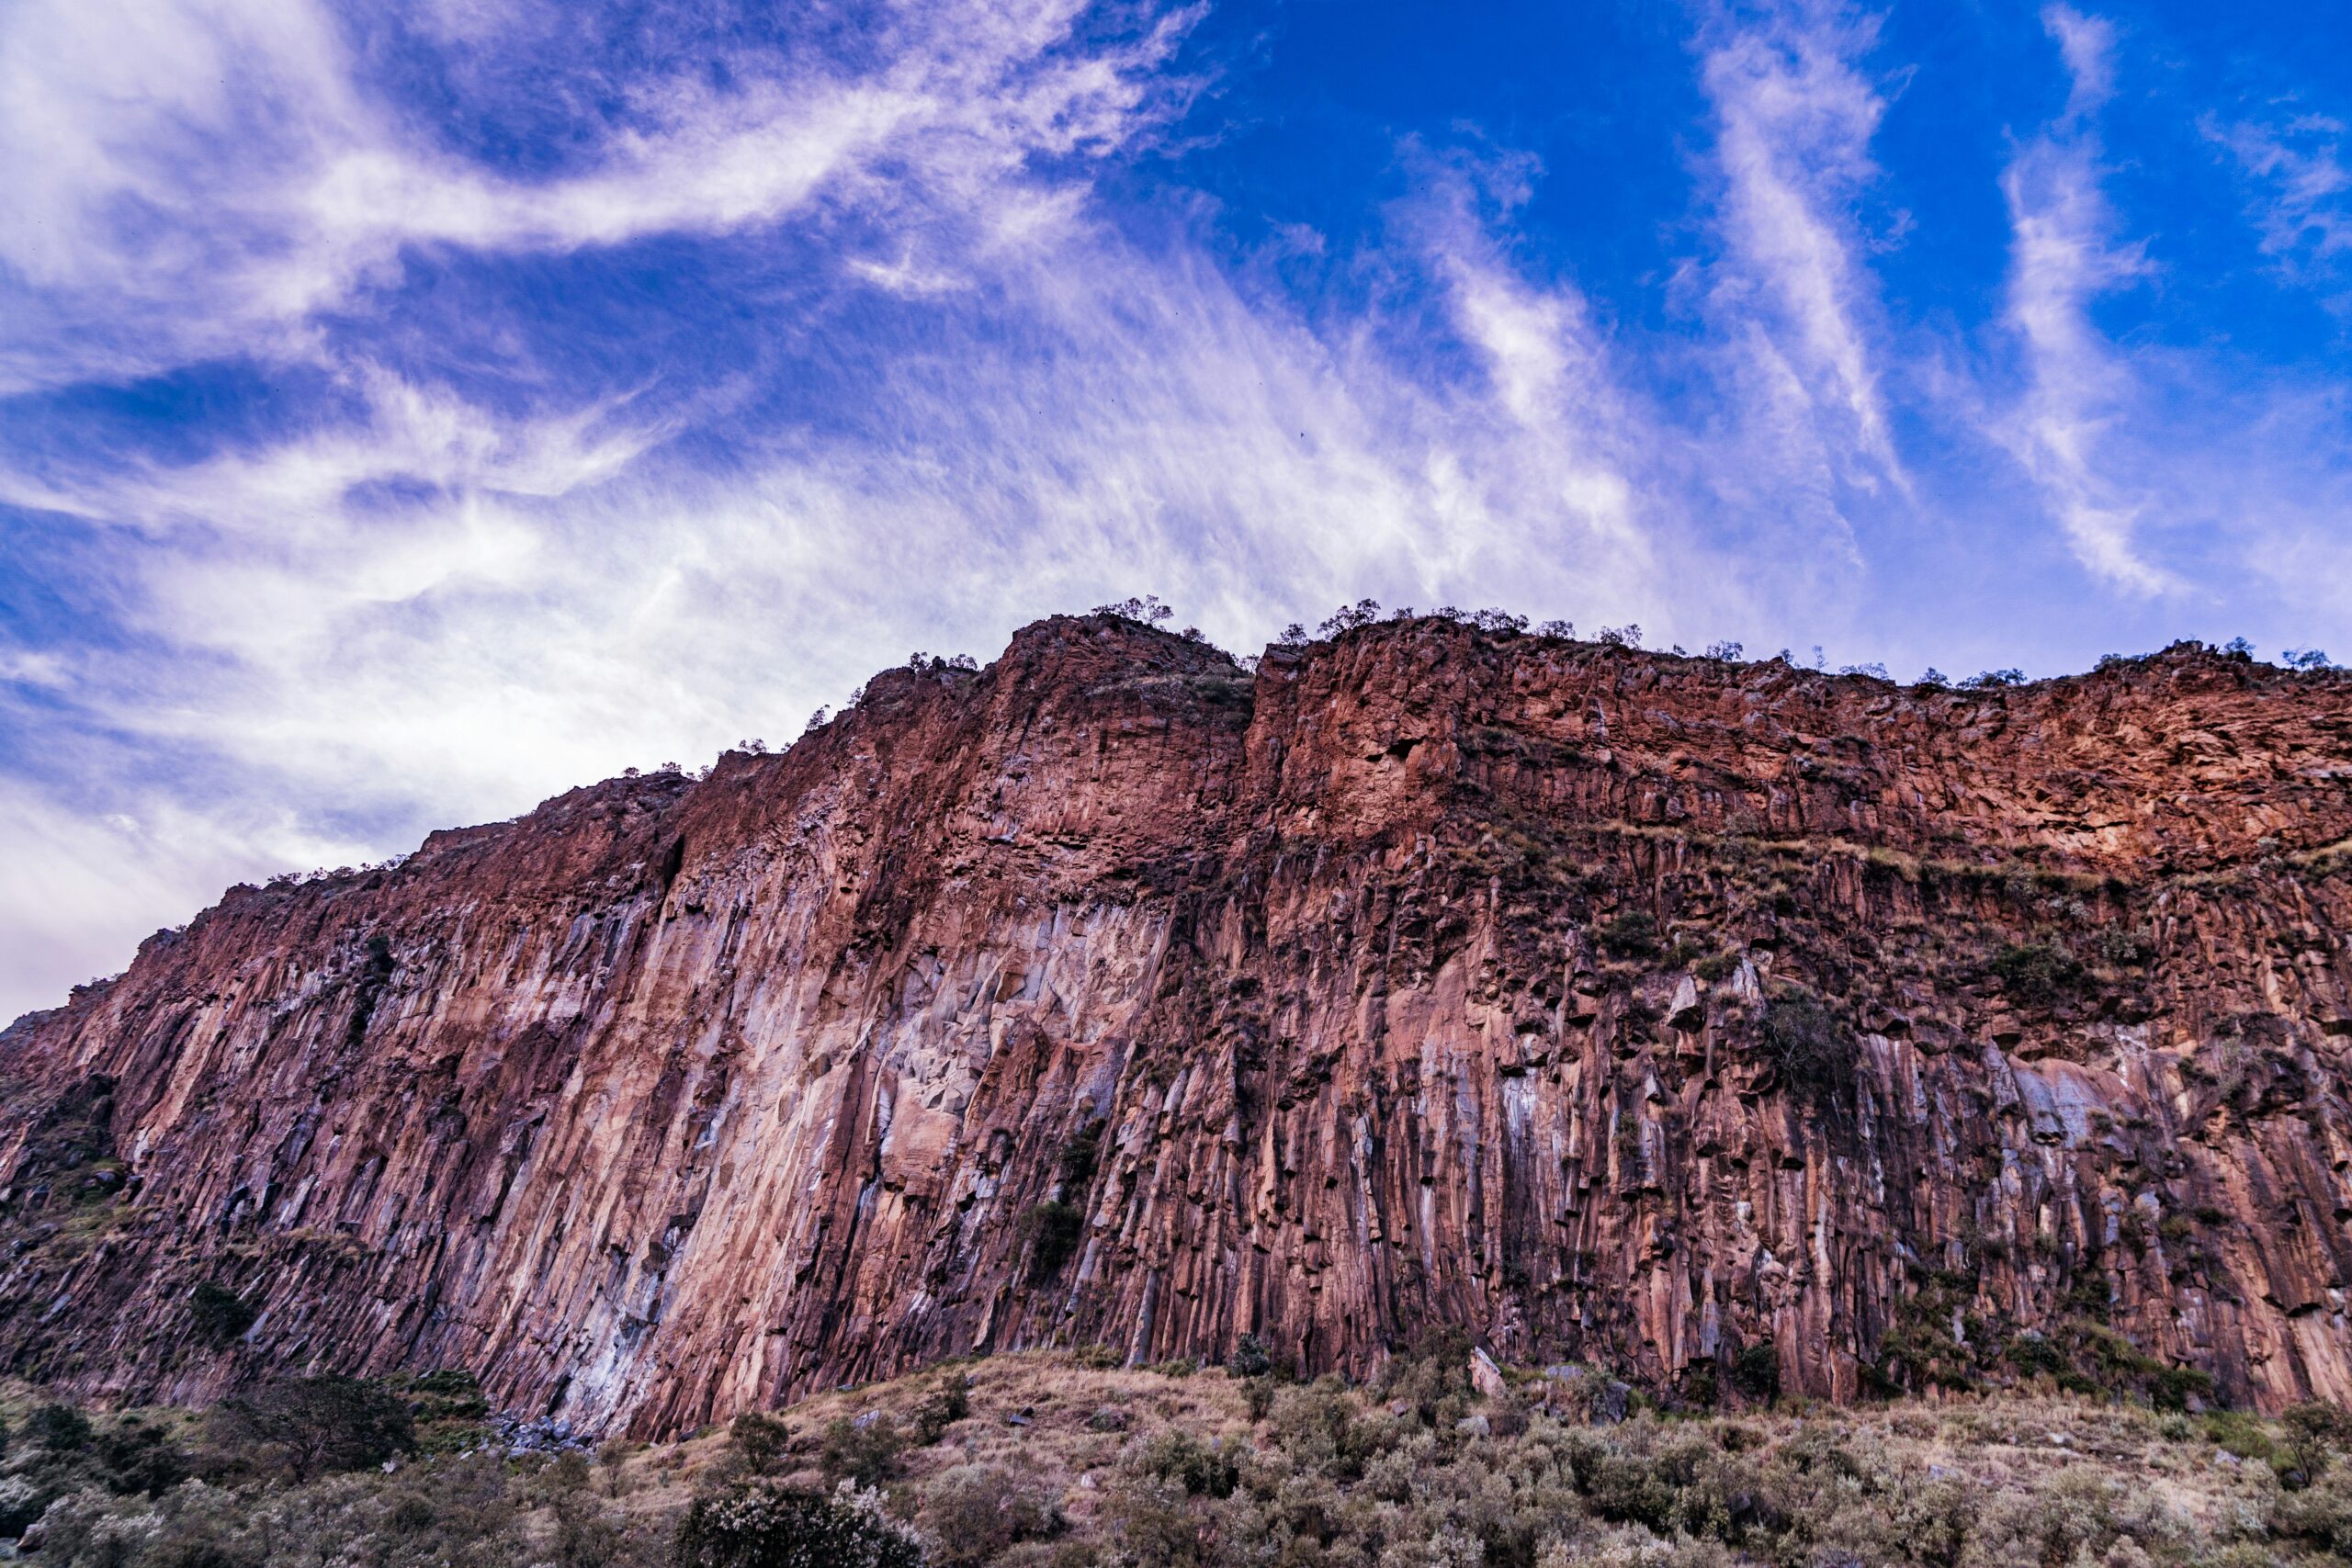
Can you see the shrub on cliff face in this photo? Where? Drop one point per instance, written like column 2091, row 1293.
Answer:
column 1756, row 1372
column 1251, row 1359
column 2035, row 974
column 218, row 1315
column 1054, row 1230
column 1632, row 935
column 765, row 1526
column 1812, row 1048
column 1076, row 1165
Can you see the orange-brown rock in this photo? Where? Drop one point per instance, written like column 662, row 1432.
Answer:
column 1427, row 976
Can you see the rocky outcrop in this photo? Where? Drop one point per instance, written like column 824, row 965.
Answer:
column 1714, row 1022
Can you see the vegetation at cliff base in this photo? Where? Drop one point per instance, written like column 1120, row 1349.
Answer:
column 1057, row 1460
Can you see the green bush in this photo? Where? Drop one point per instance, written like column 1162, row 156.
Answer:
column 218, row 1315
column 1811, row 1049
column 1323, row 1427
column 138, row 1456
column 2320, row 1513
column 1434, row 1377
column 1054, row 1230
column 59, row 1428
column 2035, row 974
column 2313, row 1433
column 865, row 1452
column 758, row 1440
column 1075, row 1165
column 1250, row 1357
column 761, row 1525
column 1756, row 1372
column 1200, row 1469
column 1631, row 935
column 948, row 1402
column 974, row 1512
column 304, row 1427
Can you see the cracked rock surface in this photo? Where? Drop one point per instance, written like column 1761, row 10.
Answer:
column 1661, row 1014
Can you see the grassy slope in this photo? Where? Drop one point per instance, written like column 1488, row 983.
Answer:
column 1389, row 1476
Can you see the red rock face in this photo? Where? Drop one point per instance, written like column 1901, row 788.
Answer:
column 1689, row 1018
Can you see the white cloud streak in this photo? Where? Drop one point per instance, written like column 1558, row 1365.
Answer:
column 2062, row 258
column 422, row 606
column 1795, row 117
column 195, row 178
column 2303, row 193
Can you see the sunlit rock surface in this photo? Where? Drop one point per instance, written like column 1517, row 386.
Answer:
column 1423, row 977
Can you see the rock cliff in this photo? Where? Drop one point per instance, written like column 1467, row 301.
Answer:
column 1720, row 1023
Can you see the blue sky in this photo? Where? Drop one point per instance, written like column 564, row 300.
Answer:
column 408, row 412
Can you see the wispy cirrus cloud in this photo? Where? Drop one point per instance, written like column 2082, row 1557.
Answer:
column 2065, row 255
column 2300, row 191
column 200, row 178
column 1795, row 117
column 403, row 420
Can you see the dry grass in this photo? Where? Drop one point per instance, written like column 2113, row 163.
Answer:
column 1138, row 1469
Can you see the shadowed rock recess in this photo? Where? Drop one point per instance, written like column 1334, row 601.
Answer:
column 1656, row 1012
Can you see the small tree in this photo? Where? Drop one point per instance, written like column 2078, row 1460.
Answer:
column 758, row 1440
column 1144, row 607
column 1813, row 1049
column 60, row 1429
column 864, row 1452
column 1348, row 617
column 2313, row 1433
column 1756, row 1372
column 2035, row 974
column 305, row 1428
